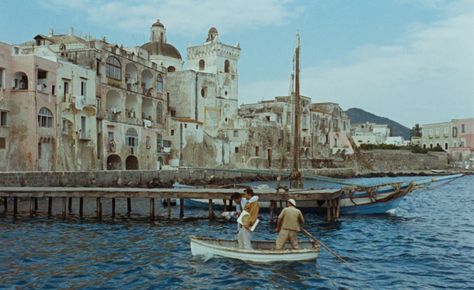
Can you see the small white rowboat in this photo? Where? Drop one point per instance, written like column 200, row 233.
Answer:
column 262, row 252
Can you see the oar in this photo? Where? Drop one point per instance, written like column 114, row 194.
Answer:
column 319, row 242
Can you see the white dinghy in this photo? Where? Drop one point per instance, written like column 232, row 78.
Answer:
column 262, row 252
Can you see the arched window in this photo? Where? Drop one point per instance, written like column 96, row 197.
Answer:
column 455, row 131
column 159, row 83
column 113, row 68
column 20, row 81
column 171, row 68
column 45, row 118
column 202, row 64
column 159, row 113
column 131, row 137
column 226, row 66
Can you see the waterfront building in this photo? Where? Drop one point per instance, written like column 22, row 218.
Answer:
column 130, row 101
column 28, row 117
column 324, row 132
column 396, row 140
column 369, row 133
column 203, row 104
column 455, row 137
column 71, row 102
column 330, row 127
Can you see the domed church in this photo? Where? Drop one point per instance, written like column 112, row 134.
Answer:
column 161, row 52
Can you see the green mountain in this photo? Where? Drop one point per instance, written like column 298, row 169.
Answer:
column 360, row 116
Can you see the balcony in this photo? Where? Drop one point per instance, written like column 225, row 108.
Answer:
column 114, row 117
column 85, row 135
column 77, row 102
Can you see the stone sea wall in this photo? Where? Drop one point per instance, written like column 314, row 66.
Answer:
column 365, row 163
column 380, row 161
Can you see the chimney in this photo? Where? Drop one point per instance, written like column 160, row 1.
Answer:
column 51, row 32
column 71, row 31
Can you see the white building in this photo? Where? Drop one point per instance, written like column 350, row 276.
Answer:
column 369, row 133
column 205, row 95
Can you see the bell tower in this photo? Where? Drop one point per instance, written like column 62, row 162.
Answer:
column 219, row 59
column 158, row 32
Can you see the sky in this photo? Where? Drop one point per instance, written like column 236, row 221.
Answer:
column 408, row 60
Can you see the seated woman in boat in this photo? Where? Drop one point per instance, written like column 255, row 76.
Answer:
column 288, row 225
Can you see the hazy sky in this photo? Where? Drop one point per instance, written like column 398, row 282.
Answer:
column 408, row 60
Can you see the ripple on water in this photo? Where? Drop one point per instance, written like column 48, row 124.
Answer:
column 428, row 243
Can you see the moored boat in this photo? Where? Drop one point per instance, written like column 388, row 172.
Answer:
column 377, row 199
column 262, row 252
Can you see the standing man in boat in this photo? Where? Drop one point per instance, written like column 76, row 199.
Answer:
column 250, row 215
column 288, row 225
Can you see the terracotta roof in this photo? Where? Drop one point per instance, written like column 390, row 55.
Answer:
column 161, row 48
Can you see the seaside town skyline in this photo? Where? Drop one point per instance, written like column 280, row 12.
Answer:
column 402, row 60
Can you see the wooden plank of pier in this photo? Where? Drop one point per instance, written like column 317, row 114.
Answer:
column 199, row 193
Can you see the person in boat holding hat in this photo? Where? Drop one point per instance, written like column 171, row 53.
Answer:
column 288, row 225
column 250, row 216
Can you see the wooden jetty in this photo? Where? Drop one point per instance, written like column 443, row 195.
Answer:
column 330, row 197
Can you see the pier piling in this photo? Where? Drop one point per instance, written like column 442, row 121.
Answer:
column 272, row 210
column 69, row 205
column 81, row 207
column 211, row 211
column 129, row 207
column 113, row 208
column 32, row 206
column 152, row 209
column 64, row 206
column 15, row 206
column 99, row 208
column 168, row 202
column 327, row 198
column 50, row 206
column 181, row 208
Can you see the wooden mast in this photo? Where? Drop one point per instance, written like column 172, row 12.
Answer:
column 295, row 177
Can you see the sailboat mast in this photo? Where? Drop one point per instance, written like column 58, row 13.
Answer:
column 296, row 181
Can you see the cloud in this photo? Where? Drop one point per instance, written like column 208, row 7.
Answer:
column 426, row 76
column 183, row 17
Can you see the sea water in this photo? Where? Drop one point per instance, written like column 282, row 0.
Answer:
column 427, row 244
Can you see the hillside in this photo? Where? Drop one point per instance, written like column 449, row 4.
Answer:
column 360, row 116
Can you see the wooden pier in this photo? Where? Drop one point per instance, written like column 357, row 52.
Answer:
column 329, row 197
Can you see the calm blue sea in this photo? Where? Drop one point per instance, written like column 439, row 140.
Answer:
column 427, row 244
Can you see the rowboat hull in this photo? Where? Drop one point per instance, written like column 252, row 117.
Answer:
column 262, row 252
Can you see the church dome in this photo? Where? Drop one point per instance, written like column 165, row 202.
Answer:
column 161, row 48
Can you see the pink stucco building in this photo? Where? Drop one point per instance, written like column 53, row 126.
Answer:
column 27, row 110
